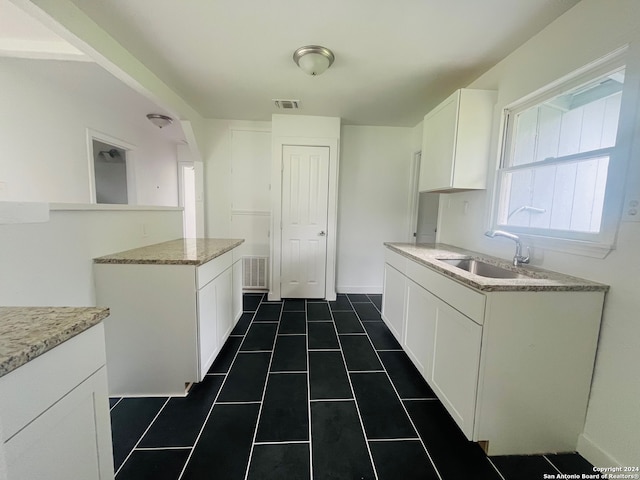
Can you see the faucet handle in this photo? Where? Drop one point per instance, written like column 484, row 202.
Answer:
column 518, row 259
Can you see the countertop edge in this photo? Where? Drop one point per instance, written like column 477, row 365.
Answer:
column 112, row 258
column 92, row 317
column 562, row 282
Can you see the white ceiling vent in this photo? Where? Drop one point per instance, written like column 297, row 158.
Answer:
column 287, row 104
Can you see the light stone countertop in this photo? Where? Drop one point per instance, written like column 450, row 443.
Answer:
column 184, row 251
column 28, row 332
column 537, row 279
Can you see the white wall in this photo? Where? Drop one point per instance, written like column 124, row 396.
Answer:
column 585, row 33
column 47, row 107
column 50, row 264
column 373, row 202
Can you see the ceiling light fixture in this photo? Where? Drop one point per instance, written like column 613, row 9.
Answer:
column 313, row 59
column 159, row 120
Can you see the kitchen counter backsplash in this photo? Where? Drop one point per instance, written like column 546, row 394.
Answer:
column 184, row 251
column 537, row 279
column 28, row 332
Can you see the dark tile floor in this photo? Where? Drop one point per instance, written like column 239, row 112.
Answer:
column 309, row 389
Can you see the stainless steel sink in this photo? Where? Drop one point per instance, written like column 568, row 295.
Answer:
column 481, row 268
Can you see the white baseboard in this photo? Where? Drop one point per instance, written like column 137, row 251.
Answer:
column 594, row 454
column 373, row 289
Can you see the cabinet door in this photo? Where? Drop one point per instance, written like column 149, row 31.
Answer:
column 224, row 307
column 456, row 359
column 70, row 440
column 237, row 290
column 393, row 292
column 207, row 319
column 421, row 314
column 438, row 145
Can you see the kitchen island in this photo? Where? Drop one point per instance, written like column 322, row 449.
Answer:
column 510, row 355
column 173, row 305
column 54, row 407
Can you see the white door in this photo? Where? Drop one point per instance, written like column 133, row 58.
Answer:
column 305, row 192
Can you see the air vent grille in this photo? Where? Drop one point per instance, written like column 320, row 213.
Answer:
column 254, row 273
column 287, row 104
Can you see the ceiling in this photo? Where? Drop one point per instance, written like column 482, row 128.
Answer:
column 394, row 59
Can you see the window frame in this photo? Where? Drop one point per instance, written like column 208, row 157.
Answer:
column 584, row 243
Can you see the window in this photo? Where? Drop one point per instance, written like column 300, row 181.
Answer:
column 557, row 154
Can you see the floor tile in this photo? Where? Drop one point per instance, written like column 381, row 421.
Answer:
column 294, row 305
column 280, row 462
column 223, row 361
column 382, row 412
column 154, row 465
column 359, row 353
column 407, row 460
column 376, row 300
column 113, row 401
column 245, row 380
column 341, row 303
column 259, row 337
column 381, row 336
column 327, row 376
column 571, row 463
column 347, row 322
column 285, row 410
column 182, row 418
column 293, row 322
column 367, row 311
column 523, row 467
column 318, row 311
column 269, row 312
column 339, row 448
column 243, row 324
column 357, row 297
column 290, row 354
column 453, row 455
column 129, row 420
column 250, row 301
column 405, row 376
column 322, row 335
column 224, row 447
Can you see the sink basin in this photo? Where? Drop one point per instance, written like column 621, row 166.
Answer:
column 481, row 268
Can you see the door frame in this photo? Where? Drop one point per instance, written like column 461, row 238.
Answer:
column 276, row 211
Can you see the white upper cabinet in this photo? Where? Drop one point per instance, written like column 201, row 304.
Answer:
column 455, row 142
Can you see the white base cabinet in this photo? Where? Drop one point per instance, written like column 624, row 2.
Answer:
column 167, row 322
column 513, row 368
column 55, row 413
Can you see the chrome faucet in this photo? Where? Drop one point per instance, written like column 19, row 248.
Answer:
column 518, row 258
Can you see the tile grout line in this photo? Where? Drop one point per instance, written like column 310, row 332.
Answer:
column 355, row 402
column 551, row 463
column 399, row 439
column 142, row 436
column 398, row 396
column 264, row 391
column 213, row 404
column 115, row 404
column 306, row 329
column 495, row 468
column 153, row 449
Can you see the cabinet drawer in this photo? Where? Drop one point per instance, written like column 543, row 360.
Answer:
column 465, row 300
column 210, row 270
column 32, row 388
column 396, row 260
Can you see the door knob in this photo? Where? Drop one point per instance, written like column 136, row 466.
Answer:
column 322, row 233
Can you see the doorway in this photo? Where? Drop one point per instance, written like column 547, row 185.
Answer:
column 187, row 190
column 304, row 217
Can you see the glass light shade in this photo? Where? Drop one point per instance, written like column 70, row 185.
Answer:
column 313, row 63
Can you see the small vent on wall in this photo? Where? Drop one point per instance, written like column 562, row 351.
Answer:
column 287, row 104
column 254, row 276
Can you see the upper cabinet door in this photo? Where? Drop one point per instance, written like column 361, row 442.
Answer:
column 455, row 142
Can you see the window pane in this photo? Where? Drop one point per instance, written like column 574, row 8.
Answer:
column 567, row 196
column 581, row 120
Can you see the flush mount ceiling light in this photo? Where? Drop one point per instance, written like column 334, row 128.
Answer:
column 313, row 59
column 159, row 120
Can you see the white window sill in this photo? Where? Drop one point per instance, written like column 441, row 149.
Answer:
column 574, row 247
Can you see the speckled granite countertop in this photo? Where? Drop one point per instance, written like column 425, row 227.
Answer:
column 184, row 251
column 27, row 332
column 537, row 279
